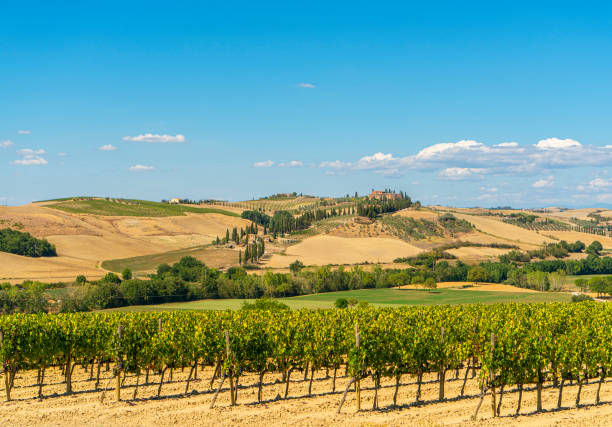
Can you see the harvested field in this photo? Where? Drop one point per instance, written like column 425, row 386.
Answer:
column 16, row 268
column 84, row 241
column 322, row 250
column 475, row 253
column 418, row 214
column 586, row 238
column 576, row 213
column 507, row 232
column 174, row 407
column 215, row 257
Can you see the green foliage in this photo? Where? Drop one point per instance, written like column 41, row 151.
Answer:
column 257, row 217
column 430, row 283
column 80, row 280
column 594, row 248
column 296, row 266
column 341, row 303
column 20, row 243
column 126, row 274
column 532, row 342
column 267, row 304
column 25, row 298
column 581, row 298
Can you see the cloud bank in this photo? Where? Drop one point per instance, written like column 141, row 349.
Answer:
column 467, row 158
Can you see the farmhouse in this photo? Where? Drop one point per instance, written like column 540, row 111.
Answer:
column 175, row 201
column 381, row 195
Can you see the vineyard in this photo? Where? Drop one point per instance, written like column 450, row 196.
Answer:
column 527, row 347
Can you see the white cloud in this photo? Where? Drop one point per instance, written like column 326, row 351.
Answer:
column 556, row 143
column 30, row 160
column 30, row 157
column 23, row 132
column 141, row 168
column 337, row 164
column 291, row 164
column 29, row 152
column 149, row 137
column 544, row 182
column 107, row 147
column 306, row 85
column 62, row 154
column 605, row 198
column 456, row 173
column 506, row 158
column 436, row 150
column 264, row 164
column 6, row 143
column 608, row 146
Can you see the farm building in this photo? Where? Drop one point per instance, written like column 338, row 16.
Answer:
column 175, row 201
column 381, row 195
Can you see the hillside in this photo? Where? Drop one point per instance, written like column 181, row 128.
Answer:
column 94, row 235
column 84, row 239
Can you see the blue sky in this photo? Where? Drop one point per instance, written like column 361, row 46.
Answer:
column 235, row 100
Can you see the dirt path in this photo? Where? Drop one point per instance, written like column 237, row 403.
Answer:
column 85, row 408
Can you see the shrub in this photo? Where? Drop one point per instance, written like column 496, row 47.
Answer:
column 341, row 303
column 264, row 304
column 581, row 297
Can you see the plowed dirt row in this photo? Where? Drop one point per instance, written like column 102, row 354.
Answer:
column 84, row 406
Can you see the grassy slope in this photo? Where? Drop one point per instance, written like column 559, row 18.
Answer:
column 213, row 257
column 130, row 208
column 379, row 297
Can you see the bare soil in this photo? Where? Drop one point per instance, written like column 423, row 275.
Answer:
column 85, row 407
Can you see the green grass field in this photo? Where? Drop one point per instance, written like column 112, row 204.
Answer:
column 211, row 256
column 376, row 297
column 128, row 207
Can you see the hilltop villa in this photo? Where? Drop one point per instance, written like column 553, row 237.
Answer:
column 381, row 195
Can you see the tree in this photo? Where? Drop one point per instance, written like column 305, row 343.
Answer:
column 296, row 266
column 556, row 280
column 594, row 248
column 126, row 274
column 80, row 279
column 582, row 284
column 240, row 257
column 430, row 283
column 110, row 278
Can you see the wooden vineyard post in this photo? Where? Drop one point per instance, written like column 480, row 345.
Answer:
column 7, row 381
column 118, row 368
column 492, row 378
column 228, row 352
column 442, row 369
column 357, row 374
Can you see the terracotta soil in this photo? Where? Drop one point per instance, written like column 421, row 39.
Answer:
column 84, row 406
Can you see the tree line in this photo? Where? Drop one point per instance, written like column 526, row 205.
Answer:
column 21, row 243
